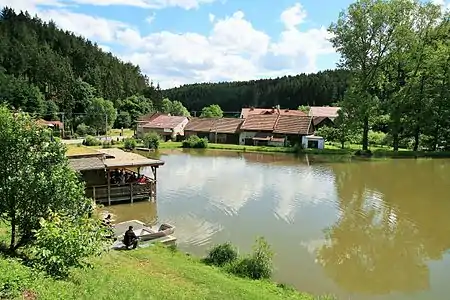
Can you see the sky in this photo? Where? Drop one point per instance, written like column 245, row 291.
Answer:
column 179, row 42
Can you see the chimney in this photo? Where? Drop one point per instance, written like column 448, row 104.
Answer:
column 252, row 108
column 278, row 109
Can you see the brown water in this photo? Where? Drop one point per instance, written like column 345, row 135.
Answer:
column 359, row 230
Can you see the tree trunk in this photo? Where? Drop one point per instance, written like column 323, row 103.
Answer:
column 416, row 138
column 12, row 244
column 395, row 130
column 365, row 137
column 342, row 144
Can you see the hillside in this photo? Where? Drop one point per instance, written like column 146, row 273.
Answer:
column 322, row 88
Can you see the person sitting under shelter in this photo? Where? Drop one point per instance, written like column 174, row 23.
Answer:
column 130, row 238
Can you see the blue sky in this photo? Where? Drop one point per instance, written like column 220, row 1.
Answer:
column 185, row 41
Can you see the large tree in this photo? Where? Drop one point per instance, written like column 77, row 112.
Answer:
column 100, row 114
column 364, row 35
column 35, row 179
column 212, row 111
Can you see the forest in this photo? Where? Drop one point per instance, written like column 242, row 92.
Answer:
column 319, row 89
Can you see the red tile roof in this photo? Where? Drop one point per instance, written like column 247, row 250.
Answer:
column 165, row 121
column 245, row 112
column 294, row 125
column 318, row 120
column 222, row 125
column 259, row 122
column 227, row 125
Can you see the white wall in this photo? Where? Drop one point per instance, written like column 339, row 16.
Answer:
column 245, row 135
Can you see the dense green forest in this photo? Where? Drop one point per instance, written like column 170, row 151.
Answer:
column 322, row 88
column 50, row 72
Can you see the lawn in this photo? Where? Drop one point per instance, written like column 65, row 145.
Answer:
column 152, row 273
column 126, row 132
column 73, row 150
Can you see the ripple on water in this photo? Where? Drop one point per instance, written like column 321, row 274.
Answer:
column 193, row 230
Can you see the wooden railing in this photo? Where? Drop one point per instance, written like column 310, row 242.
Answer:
column 122, row 192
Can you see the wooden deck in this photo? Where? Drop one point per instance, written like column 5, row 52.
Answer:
column 123, row 192
column 102, row 163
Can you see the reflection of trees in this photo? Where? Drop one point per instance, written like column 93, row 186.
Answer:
column 394, row 216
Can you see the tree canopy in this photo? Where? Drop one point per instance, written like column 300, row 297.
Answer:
column 35, row 179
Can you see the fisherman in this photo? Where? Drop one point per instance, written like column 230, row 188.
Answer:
column 130, row 238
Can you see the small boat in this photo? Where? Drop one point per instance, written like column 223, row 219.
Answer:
column 146, row 234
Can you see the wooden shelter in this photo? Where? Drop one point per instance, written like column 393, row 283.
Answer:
column 97, row 169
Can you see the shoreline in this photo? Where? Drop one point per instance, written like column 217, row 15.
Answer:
column 160, row 271
column 330, row 150
column 377, row 152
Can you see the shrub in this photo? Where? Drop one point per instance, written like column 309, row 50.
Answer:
column 256, row 266
column 83, row 130
column 129, row 143
column 151, row 140
column 377, row 138
column 91, row 141
column 221, row 255
column 63, row 242
column 107, row 144
column 195, row 142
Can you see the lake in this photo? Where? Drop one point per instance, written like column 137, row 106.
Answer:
column 358, row 230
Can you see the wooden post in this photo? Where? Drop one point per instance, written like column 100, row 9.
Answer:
column 131, row 192
column 154, row 182
column 109, row 187
column 93, row 193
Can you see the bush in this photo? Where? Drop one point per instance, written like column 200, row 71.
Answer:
column 377, row 138
column 63, row 242
column 221, row 255
column 256, row 266
column 107, row 144
column 83, row 130
column 91, row 141
column 130, row 143
column 151, row 140
column 195, row 142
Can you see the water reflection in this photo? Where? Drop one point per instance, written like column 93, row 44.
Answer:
column 387, row 225
column 393, row 220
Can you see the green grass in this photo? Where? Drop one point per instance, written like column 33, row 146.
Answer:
column 330, row 149
column 151, row 273
column 126, row 132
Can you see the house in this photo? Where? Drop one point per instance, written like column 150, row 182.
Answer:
column 56, row 126
column 216, row 130
column 330, row 112
column 275, row 129
column 53, row 124
column 322, row 121
column 167, row 126
column 245, row 112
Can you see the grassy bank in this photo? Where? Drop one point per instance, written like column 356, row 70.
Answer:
column 330, row 149
column 151, row 273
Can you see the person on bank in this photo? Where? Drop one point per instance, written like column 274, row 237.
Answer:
column 130, row 238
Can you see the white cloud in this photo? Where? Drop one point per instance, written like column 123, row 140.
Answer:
column 233, row 50
column 293, row 16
